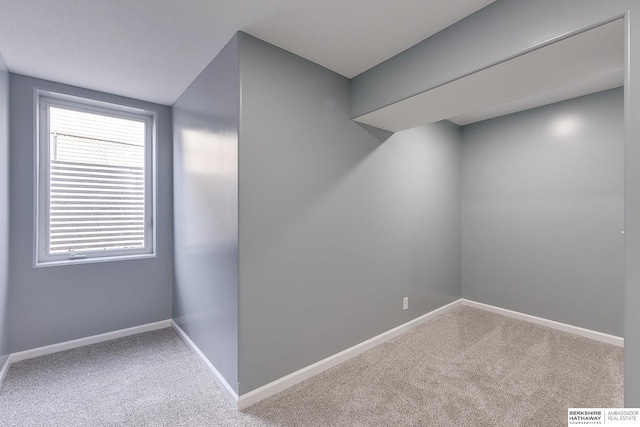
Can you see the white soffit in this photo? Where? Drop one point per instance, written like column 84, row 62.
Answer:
column 582, row 86
column 153, row 49
column 585, row 63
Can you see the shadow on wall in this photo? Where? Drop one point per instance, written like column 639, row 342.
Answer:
column 388, row 227
column 380, row 134
column 408, row 190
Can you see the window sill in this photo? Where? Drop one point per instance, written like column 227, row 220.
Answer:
column 67, row 262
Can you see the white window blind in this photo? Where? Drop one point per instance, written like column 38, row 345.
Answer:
column 97, row 190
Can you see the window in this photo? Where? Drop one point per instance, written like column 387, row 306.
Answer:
column 95, row 180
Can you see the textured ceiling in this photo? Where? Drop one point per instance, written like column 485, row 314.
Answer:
column 153, row 49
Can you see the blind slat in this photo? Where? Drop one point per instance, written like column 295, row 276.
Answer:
column 95, row 206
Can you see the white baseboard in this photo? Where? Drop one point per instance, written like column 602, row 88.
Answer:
column 254, row 396
column 94, row 339
column 300, row 375
column 222, row 382
column 587, row 333
column 5, row 369
column 287, row 381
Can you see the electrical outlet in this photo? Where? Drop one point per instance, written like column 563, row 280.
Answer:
column 405, row 303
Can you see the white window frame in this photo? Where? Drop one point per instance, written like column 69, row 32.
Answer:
column 45, row 100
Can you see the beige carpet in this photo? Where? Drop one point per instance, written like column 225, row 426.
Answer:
column 465, row 368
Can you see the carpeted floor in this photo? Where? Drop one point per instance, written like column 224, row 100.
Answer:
column 467, row 367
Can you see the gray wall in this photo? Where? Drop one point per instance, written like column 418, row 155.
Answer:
column 335, row 227
column 205, row 292
column 543, row 210
column 498, row 32
column 49, row 305
column 4, row 211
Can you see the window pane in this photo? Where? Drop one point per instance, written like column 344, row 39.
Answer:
column 96, row 182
